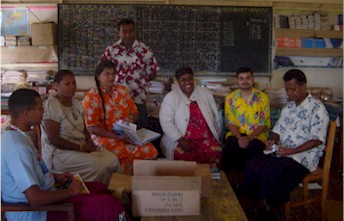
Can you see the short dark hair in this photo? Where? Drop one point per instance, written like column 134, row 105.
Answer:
column 183, row 70
column 20, row 100
column 296, row 74
column 125, row 21
column 61, row 74
column 244, row 70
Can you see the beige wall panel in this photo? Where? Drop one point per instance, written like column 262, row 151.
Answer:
column 316, row 77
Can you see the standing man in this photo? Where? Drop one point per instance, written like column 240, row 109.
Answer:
column 247, row 115
column 135, row 65
column 300, row 133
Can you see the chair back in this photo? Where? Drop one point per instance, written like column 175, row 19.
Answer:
column 321, row 174
column 331, row 133
column 327, row 161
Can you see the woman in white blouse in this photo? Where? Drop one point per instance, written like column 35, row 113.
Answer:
column 190, row 122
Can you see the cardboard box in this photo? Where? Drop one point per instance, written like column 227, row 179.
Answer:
column 43, row 33
column 166, row 196
column 176, row 168
column 28, row 54
column 165, row 187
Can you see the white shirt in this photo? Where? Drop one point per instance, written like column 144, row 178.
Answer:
column 299, row 124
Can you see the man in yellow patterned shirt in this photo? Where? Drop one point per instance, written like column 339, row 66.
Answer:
column 247, row 116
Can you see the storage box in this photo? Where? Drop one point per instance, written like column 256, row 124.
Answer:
column 166, row 196
column 319, row 43
column 165, row 187
column 307, row 43
column 176, row 168
column 43, row 33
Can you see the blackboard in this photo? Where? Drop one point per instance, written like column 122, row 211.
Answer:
column 212, row 40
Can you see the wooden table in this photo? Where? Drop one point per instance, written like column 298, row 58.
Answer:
column 222, row 206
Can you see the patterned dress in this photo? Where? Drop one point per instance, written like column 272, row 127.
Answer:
column 119, row 106
column 204, row 146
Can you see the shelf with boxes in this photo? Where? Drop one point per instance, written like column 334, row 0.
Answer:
column 308, row 38
column 318, row 43
column 29, row 42
column 41, row 49
column 30, row 62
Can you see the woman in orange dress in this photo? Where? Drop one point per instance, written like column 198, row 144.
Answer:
column 103, row 107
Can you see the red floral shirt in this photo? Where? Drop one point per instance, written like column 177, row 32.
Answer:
column 133, row 66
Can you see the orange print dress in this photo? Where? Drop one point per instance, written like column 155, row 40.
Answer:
column 118, row 106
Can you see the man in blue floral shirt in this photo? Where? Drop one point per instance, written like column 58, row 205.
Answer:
column 300, row 134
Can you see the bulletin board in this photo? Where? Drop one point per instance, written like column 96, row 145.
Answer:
column 212, row 40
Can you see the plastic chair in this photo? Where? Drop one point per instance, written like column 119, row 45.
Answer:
column 321, row 174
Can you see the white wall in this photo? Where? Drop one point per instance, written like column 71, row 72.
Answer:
column 316, row 77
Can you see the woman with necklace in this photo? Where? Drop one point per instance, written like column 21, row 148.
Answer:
column 26, row 179
column 103, row 107
column 66, row 143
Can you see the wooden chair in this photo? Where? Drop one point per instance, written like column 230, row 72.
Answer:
column 321, row 174
column 67, row 207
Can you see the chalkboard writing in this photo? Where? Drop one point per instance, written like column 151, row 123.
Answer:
column 212, row 40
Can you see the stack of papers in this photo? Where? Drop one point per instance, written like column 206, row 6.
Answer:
column 13, row 77
column 11, row 40
column 277, row 97
column 156, row 87
column 39, row 77
column 2, row 40
column 23, row 41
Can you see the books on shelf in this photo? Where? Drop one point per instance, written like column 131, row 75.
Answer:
column 139, row 137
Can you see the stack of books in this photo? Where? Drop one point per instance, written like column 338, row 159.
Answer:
column 11, row 40
column 156, row 87
column 23, row 41
column 2, row 40
column 38, row 77
column 17, row 77
column 277, row 97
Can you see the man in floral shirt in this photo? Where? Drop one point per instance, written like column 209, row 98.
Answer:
column 135, row 65
column 300, row 133
column 247, row 115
